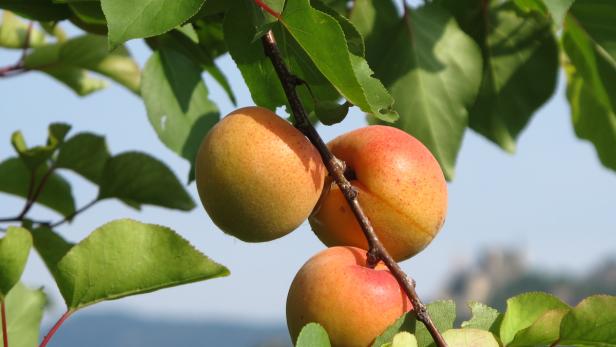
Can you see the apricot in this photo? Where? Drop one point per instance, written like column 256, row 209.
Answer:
column 353, row 302
column 258, row 177
column 401, row 188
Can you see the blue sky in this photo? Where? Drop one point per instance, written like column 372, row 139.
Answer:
column 552, row 198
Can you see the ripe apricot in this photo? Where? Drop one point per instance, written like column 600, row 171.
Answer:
column 401, row 187
column 258, row 177
column 353, row 302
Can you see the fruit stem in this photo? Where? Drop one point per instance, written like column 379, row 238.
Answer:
column 336, row 169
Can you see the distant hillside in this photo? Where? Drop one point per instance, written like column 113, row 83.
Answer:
column 500, row 274
column 116, row 330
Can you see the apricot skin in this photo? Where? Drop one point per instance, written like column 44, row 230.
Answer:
column 354, row 303
column 401, row 187
column 258, row 177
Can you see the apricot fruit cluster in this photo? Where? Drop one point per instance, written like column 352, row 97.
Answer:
column 259, row 178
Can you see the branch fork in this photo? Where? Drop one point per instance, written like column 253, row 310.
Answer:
column 336, row 168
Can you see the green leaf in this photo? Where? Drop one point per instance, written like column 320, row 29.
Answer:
column 46, row 59
column 210, row 34
column 186, row 41
column 56, row 194
column 89, row 12
column 523, row 310
column 24, row 311
column 354, row 38
column 256, row 69
column 129, row 258
column 596, row 18
column 443, row 314
column 434, row 74
column 36, row 156
column 591, row 73
column 85, row 154
column 557, row 9
column 13, row 32
column 135, row 19
column 591, row 322
column 406, row 322
column 263, row 20
column 470, row 338
column 330, row 112
column 51, row 247
column 403, row 339
column 313, row 335
column 89, row 16
column 317, row 32
column 593, row 119
column 14, row 249
column 520, row 69
column 177, row 102
column 68, row 61
column 40, row 10
column 90, row 52
column 544, row 331
column 483, row 317
column 143, row 179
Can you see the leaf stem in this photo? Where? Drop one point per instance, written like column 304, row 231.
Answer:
column 267, row 9
column 32, row 197
column 336, row 169
column 5, row 333
column 72, row 215
column 55, row 328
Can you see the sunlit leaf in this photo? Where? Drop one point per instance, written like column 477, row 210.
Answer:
column 316, row 32
column 134, row 19
column 523, row 310
column 313, row 335
column 129, row 258
column 443, row 314
column 544, row 331
column 591, row 323
column 14, row 249
column 470, row 338
column 483, row 317
column 24, row 311
column 13, row 33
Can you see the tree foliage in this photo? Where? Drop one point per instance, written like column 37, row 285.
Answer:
column 433, row 70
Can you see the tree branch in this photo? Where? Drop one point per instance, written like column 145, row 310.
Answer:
column 19, row 67
column 72, row 215
column 32, row 197
column 336, row 169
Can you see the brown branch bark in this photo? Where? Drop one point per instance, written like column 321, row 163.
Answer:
column 19, row 67
column 336, row 169
column 32, row 199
